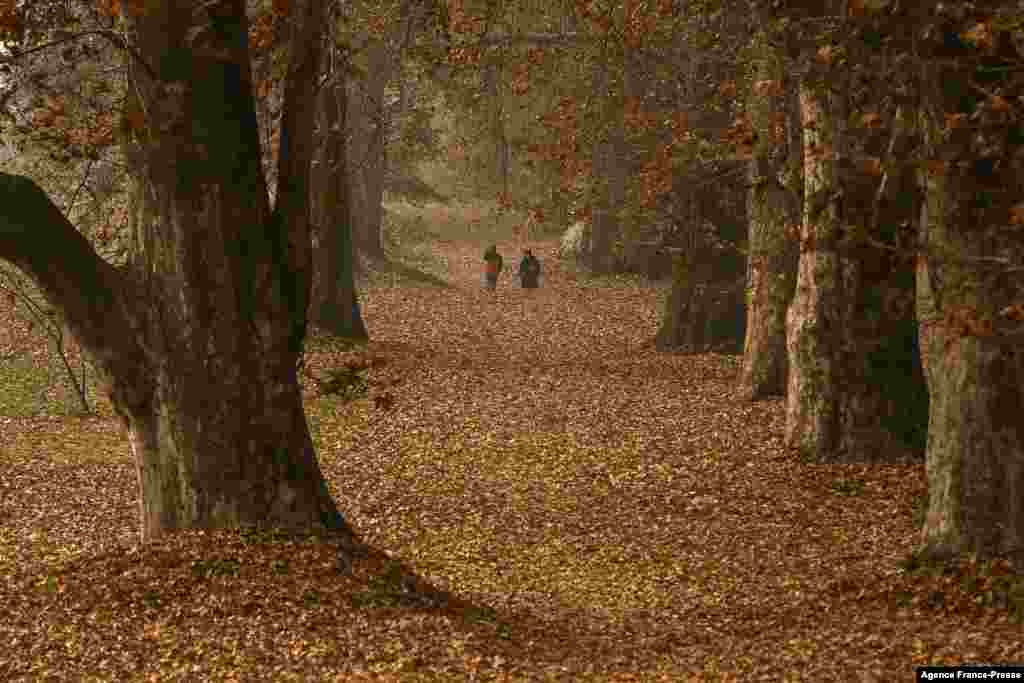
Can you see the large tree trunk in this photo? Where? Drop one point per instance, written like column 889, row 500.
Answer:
column 772, row 208
column 705, row 308
column 335, row 306
column 973, row 360
column 855, row 391
column 198, row 339
column 814, row 316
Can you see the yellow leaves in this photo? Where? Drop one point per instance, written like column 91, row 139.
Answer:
column 600, row 512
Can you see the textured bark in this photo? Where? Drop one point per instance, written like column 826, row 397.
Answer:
column 814, row 317
column 772, row 209
column 198, row 338
column 855, row 389
column 975, row 457
column 334, row 289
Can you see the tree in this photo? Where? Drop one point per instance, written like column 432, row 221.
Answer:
column 705, row 309
column 335, row 306
column 772, row 210
column 932, row 89
column 850, row 379
column 199, row 336
column 969, row 279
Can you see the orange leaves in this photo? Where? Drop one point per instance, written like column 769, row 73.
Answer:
column 1014, row 312
column 655, row 177
column 954, row 121
column 519, row 83
column 962, row 321
column 871, row 166
column 10, row 21
column 1017, row 214
column 871, row 119
column 635, row 118
column 133, row 120
column 980, row 35
column 997, row 103
column 767, row 88
column 741, row 135
column 114, row 8
column 936, row 167
column 604, row 513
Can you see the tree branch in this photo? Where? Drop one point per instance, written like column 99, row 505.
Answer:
column 87, row 291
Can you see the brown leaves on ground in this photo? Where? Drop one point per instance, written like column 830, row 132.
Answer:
column 565, row 503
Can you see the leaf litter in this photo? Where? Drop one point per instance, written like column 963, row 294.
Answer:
column 544, row 497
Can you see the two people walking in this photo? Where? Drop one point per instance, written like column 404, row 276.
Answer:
column 529, row 268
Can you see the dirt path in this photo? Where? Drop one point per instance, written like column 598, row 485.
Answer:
column 542, row 457
column 611, row 513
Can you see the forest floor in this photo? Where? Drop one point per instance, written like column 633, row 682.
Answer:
column 548, row 499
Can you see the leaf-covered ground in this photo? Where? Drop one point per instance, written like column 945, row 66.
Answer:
column 547, row 498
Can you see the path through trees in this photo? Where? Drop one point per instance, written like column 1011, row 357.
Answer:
column 607, row 508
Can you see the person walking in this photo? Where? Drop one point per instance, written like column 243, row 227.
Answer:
column 492, row 267
column 529, row 270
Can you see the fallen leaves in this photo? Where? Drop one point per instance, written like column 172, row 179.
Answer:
column 544, row 498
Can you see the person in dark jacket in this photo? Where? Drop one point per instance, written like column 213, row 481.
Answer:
column 529, row 270
column 492, row 267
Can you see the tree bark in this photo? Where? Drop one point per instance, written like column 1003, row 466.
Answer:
column 683, row 323
column 368, row 153
column 814, row 316
column 772, row 210
column 975, row 371
column 334, row 290
column 855, row 390
column 198, row 338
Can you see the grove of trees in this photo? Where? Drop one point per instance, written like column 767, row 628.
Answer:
column 837, row 183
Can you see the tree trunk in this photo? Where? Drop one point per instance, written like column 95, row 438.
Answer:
column 973, row 363
column 683, row 323
column 603, row 224
column 198, row 338
column 772, row 209
column 705, row 306
column 334, row 291
column 369, row 163
column 855, row 390
column 814, row 316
